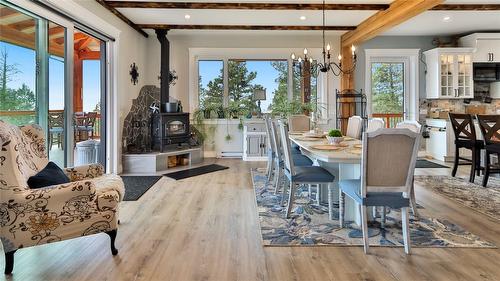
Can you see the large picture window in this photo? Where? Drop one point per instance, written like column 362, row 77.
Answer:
column 229, row 85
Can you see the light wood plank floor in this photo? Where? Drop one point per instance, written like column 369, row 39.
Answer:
column 206, row 228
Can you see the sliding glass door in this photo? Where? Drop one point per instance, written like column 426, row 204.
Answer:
column 54, row 75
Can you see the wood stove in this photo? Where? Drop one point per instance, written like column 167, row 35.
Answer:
column 171, row 128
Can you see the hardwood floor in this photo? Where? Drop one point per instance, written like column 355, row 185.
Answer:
column 206, row 228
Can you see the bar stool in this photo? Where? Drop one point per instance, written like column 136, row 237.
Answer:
column 492, row 142
column 465, row 137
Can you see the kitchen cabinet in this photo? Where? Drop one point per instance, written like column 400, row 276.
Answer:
column 449, row 73
column 486, row 46
column 255, row 142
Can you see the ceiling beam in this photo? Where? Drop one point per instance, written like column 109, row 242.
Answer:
column 27, row 40
column 398, row 12
column 243, row 6
column 243, row 27
column 122, row 17
column 467, row 7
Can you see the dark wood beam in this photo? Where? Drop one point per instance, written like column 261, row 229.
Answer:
column 244, row 27
column 122, row 17
column 467, row 7
column 243, row 6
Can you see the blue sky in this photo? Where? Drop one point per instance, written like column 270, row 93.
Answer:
column 25, row 58
column 266, row 75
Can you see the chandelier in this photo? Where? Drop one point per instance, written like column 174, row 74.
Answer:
column 327, row 64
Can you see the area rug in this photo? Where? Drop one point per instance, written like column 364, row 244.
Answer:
column 422, row 163
column 136, row 186
column 485, row 200
column 309, row 225
column 195, row 171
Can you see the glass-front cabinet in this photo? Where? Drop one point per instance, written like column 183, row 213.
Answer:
column 449, row 73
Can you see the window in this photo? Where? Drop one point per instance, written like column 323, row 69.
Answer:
column 246, row 76
column 17, row 70
column 210, row 83
column 230, row 81
column 387, row 87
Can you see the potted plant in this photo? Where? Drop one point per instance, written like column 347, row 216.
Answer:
column 334, row 136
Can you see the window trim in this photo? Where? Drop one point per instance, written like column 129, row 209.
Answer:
column 410, row 55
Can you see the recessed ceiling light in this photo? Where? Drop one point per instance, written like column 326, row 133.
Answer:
column 187, row 17
column 303, row 18
column 447, row 19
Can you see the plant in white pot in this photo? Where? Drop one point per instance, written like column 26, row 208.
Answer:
column 334, row 136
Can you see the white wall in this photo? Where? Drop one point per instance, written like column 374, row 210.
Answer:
column 181, row 43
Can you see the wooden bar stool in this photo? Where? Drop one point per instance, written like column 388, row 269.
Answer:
column 490, row 125
column 465, row 137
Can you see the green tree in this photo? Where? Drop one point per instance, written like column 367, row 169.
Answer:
column 387, row 87
column 19, row 99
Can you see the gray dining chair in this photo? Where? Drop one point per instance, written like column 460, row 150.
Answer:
column 302, row 175
column 354, row 127
column 417, row 128
column 375, row 124
column 271, row 151
column 299, row 160
column 387, row 166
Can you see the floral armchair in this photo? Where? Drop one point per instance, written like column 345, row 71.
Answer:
column 28, row 217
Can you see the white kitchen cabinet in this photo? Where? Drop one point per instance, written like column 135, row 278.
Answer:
column 486, row 46
column 449, row 73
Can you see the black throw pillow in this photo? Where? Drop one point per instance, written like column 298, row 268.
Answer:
column 50, row 175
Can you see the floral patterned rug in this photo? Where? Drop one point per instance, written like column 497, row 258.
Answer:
column 309, row 225
column 485, row 200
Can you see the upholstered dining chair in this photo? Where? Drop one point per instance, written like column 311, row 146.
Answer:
column 354, row 127
column 87, row 205
column 387, row 166
column 490, row 127
column 299, row 123
column 299, row 160
column 465, row 137
column 413, row 126
column 375, row 124
column 302, row 175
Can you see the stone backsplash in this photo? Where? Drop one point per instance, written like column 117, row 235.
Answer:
column 458, row 106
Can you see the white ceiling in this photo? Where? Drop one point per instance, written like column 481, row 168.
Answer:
column 428, row 23
column 461, row 22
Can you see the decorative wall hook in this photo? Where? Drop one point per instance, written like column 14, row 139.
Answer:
column 134, row 73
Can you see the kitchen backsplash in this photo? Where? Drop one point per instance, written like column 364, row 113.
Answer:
column 428, row 105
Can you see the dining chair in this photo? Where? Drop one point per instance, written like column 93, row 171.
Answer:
column 299, row 123
column 387, row 165
column 302, row 175
column 465, row 137
column 299, row 160
column 91, row 118
column 56, row 128
column 354, row 127
column 490, row 126
column 375, row 124
column 271, row 151
column 413, row 126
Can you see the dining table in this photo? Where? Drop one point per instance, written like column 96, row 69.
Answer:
column 344, row 162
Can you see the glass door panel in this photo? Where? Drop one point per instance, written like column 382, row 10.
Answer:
column 18, row 56
column 56, row 56
column 388, row 91
column 88, row 95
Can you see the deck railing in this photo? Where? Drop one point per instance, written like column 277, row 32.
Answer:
column 21, row 117
column 390, row 119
